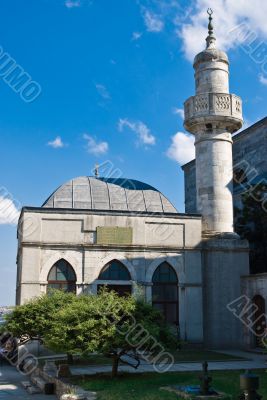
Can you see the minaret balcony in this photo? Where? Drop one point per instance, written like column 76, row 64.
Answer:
column 208, row 108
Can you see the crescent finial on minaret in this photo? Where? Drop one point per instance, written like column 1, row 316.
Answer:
column 211, row 39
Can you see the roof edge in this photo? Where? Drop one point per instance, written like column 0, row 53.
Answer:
column 106, row 212
column 247, row 130
column 188, row 164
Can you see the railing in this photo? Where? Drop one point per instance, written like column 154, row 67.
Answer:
column 221, row 104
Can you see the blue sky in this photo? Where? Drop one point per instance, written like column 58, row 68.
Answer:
column 113, row 76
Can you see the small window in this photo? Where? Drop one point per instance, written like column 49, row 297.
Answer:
column 115, row 271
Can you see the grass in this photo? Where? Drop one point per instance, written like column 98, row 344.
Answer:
column 202, row 355
column 147, row 386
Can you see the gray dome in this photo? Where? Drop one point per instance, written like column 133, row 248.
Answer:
column 109, row 194
column 210, row 55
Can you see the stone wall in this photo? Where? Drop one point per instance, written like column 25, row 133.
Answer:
column 190, row 187
column 224, row 263
column 249, row 153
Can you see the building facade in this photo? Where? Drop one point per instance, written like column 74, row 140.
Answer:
column 121, row 233
column 95, row 231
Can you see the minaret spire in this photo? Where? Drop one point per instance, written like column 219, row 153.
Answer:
column 210, row 39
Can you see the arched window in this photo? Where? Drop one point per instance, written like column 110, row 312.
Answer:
column 165, row 292
column 259, row 319
column 116, row 271
column 62, row 276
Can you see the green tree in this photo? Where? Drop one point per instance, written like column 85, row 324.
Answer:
column 117, row 327
column 31, row 321
column 111, row 325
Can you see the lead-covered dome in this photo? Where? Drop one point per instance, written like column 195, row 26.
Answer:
column 111, row 194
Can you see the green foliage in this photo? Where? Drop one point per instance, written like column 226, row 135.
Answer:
column 36, row 317
column 153, row 323
column 110, row 325
column 105, row 324
column 88, row 324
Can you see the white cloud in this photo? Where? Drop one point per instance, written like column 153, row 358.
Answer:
column 234, row 22
column 178, row 111
column 102, row 91
column 263, row 79
column 56, row 143
column 153, row 22
column 182, row 148
column 9, row 210
column 136, row 35
column 140, row 129
column 94, row 147
column 77, row 3
column 72, row 3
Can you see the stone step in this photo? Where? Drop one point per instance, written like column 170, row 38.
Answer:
column 26, row 384
column 45, row 386
column 39, row 382
column 85, row 395
column 33, row 390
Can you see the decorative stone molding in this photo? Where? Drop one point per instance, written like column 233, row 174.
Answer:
column 212, row 105
column 201, row 103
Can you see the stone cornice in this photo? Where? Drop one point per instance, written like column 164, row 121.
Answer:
column 97, row 247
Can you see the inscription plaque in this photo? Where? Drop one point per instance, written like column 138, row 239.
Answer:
column 114, row 235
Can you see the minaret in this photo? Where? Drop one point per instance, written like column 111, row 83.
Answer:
column 212, row 115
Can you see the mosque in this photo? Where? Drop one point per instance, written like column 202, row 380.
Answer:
column 94, row 231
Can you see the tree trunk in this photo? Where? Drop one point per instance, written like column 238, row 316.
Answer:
column 70, row 359
column 115, row 366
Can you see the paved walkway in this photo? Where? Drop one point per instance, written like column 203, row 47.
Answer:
column 252, row 361
column 10, row 386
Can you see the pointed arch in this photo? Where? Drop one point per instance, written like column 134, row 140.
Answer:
column 62, row 276
column 51, row 257
column 165, row 292
column 176, row 262
column 116, row 257
column 165, row 273
column 115, row 270
column 115, row 276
